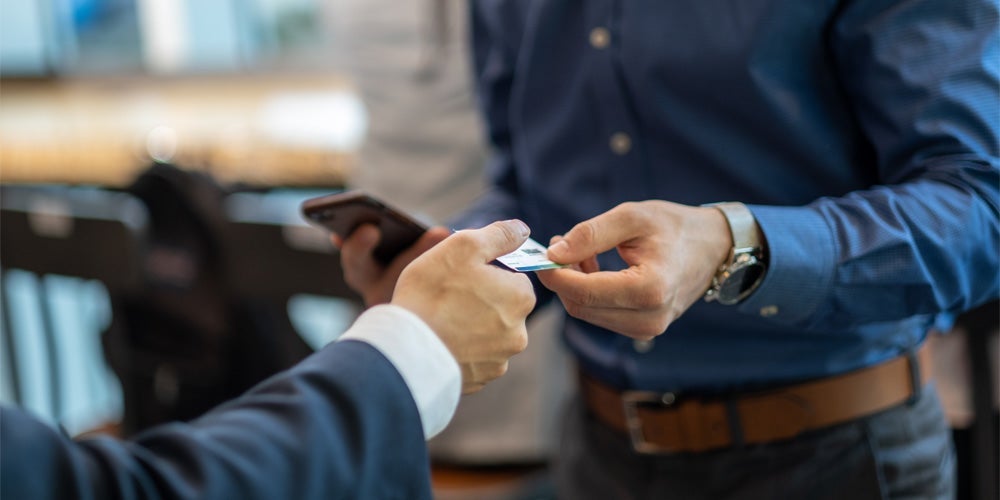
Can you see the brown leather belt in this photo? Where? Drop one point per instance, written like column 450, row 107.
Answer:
column 670, row 423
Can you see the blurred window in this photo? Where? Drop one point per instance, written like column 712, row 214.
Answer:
column 108, row 37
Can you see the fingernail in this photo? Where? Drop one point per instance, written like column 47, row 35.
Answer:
column 523, row 228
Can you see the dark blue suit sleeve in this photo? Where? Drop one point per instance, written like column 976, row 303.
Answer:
column 341, row 424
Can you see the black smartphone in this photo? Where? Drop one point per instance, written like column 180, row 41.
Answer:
column 342, row 213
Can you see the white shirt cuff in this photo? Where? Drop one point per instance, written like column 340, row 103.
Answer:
column 428, row 368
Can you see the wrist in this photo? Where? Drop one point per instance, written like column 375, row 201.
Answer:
column 425, row 363
column 720, row 247
column 743, row 268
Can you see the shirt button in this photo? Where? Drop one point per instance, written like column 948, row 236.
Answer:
column 621, row 143
column 768, row 311
column 600, row 37
column 642, row 346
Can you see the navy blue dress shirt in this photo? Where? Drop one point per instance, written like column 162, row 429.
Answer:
column 341, row 424
column 862, row 135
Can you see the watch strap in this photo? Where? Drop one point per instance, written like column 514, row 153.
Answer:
column 742, row 225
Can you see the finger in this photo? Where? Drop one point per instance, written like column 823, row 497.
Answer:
column 595, row 236
column 556, row 239
column 433, row 236
column 472, row 388
column 427, row 241
column 628, row 288
column 641, row 325
column 336, row 240
column 360, row 267
column 514, row 289
column 482, row 372
column 495, row 240
column 590, row 265
column 361, row 242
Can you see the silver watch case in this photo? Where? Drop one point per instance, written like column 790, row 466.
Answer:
column 737, row 279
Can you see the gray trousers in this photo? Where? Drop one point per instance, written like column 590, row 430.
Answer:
column 904, row 452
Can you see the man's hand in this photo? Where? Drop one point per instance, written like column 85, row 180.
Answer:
column 672, row 250
column 477, row 309
column 366, row 275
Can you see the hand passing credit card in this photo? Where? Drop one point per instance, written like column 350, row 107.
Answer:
column 530, row 257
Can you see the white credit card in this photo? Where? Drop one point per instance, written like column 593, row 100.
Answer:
column 530, row 257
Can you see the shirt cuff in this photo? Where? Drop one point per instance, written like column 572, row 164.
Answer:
column 428, row 368
column 801, row 258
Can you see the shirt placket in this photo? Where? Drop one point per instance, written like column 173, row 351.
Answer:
column 620, row 143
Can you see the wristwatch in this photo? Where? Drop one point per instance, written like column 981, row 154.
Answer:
column 742, row 273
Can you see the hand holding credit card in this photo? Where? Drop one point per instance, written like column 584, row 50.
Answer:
column 529, row 257
column 342, row 213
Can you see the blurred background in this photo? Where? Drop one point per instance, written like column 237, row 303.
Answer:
column 246, row 90
column 153, row 157
column 93, row 93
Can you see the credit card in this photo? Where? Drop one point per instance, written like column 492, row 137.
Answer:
column 530, row 257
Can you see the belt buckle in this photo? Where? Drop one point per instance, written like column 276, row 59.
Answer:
column 630, row 404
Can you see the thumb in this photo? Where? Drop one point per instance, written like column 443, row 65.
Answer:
column 499, row 238
column 592, row 237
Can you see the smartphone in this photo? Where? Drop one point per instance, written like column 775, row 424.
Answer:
column 342, row 213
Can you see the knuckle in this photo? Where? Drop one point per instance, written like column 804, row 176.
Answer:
column 630, row 210
column 519, row 342
column 527, row 304
column 458, row 247
column 585, row 297
column 585, row 233
column 491, row 370
column 508, row 233
column 350, row 278
column 574, row 296
column 642, row 335
column 635, row 213
column 653, row 297
column 354, row 280
column 628, row 207
column 573, row 309
column 653, row 327
column 526, row 293
column 462, row 241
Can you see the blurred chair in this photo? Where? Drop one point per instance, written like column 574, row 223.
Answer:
column 968, row 382
column 274, row 258
column 199, row 282
column 272, row 253
column 212, row 318
column 981, row 325
column 85, row 233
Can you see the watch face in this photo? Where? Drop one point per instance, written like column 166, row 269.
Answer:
column 740, row 282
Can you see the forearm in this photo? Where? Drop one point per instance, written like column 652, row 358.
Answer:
column 921, row 247
column 334, row 426
column 921, row 77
